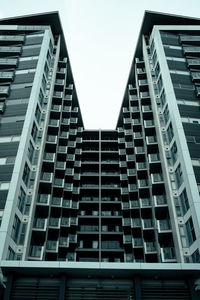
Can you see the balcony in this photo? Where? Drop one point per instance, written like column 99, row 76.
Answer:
column 150, row 247
column 53, row 122
column 52, row 139
column 65, row 222
column 56, row 201
column 51, row 246
column 63, row 242
column 36, row 252
column 8, row 62
column 196, row 77
column 46, row 177
column 141, row 165
column 194, row 63
column 147, row 224
column 192, row 39
column 44, row 199
column 49, row 157
column 143, row 183
column 127, row 239
column 151, row 139
column 139, row 150
column 191, row 51
column 54, row 222
column 154, row 157
column 128, row 257
column 137, row 242
column 134, row 204
column 136, row 222
column 6, row 76
column 164, row 225
column 126, row 222
column 145, row 202
column 168, row 254
column 67, row 203
column 4, row 91
column 160, row 200
column 149, row 123
column 10, row 51
column 40, row 224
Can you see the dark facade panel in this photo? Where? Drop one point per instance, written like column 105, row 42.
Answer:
column 3, row 196
column 30, row 52
column 186, row 94
column 173, row 52
column 177, row 65
column 33, row 40
column 194, row 150
column 172, row 40
column 8, row 149
column 197, row 173
column 24, row 78
column 6, row 172
column 181, row 79
column 21, row 93
column 29, row 64
column 7, row 129
column 189, row 111
column 15, row 110
column 191, row 129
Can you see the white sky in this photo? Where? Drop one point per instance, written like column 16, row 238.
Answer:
column 101, row 36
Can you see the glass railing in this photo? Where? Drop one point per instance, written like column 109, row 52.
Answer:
column 164, row 225
column 49, row 156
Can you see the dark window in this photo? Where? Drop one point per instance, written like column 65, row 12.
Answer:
column 15, row 229
column 184, row 202
column 26, row 174
column 21, row 200
column 190, row 231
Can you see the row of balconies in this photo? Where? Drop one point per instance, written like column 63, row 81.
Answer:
column 37, row 252
column 161, row 225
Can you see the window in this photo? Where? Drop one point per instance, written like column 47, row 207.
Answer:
column 184, row 202
column 166, row 115
column 30, row 152
column 15, row 229
column 179, row 176
column 174, row 153
column 37, row 114
column 41, row 98
column 26, row 174
column 44, row 83
column 157, row 70
column 170, row 133
column 21, row 200
column 11, row 254
column 163, row 98
column 160, row 83
column 190, row 231
column 34, row 132
column 196, row 257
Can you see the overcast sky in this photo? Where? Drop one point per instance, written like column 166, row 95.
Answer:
column 101, row 37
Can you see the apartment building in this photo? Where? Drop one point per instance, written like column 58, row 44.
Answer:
column 99, row 214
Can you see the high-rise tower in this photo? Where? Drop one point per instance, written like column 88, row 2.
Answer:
column 99, row 214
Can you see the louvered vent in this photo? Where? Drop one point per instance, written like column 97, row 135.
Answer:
column 35, row 288
column 165, row 290
column 99, row 289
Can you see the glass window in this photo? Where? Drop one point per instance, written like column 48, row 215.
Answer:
column 26, row 174
column 179, row 176
column 190, row 231
column 184, row 202
column 30, row 152
column 15, row 229
column 34, row 132
column 37, row 114
column 21, row 200
column 170, row 133
column 11, row 254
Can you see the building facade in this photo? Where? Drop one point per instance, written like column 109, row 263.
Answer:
column 99, row 214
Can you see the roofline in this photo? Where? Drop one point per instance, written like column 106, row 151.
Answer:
column 150, row 19
column 47, row 19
